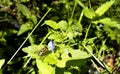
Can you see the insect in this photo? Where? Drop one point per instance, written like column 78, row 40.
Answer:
column 50, row 47
column 42, row 51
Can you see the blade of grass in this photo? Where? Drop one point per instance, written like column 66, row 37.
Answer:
column 95, row 65
column 28, row 36
column 73, row 10
column 80, row 18
column 93, row 56
column 88, row 49
column 86, row 35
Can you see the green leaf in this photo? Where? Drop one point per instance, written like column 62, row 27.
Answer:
column 25, row 27
column 31, row 40
column 2, row 61
column 50, row 59
column 108, row 21
column 34, row 19
column 89, row 13
column 56, row 37
column 44, row 68
column 24, row 10
column 3, row 41
column 104, row 7
column 33, row 50
column 80, row 3
column 52, row 24
column 70, row 35
column 112, row 34
column 75, row 55
column 63, row 24
column 78, row 54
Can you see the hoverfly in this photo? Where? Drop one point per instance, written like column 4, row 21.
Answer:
column 45, row 49
column 42, row 51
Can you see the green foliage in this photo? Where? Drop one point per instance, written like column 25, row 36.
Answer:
column 84, row 33
column 45, row 68
column 52, row 24
column 89, row 13
column 104, row 7
column 24, row 10
column 2, row 62
column 25, row 27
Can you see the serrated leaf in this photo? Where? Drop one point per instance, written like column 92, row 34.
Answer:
column 89, row 13
column 63, row 24
column 104, row 7
column 52, row 24
column 2, row 61
column 24, row 10
column 112, row 34
column 25, row 27
column 44, row 68
column 108, row 21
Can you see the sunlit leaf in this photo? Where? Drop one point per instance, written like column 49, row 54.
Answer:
column 44, row 68
column 75, row 55
column 89, row 13
column 52, row 24
column 104, row 7
column 25, row 27
column 56, row 37
column 70, row 35
column 108, row 22
column 50, row 59
column 33, row 50
column 63, row 24
column 2, row 61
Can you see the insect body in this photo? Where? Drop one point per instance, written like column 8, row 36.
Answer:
column 45, row 49
column 42, row 51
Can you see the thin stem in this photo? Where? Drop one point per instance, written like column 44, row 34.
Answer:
column 27, row 62
column 86, row 34
column 89, row 4
column 81, row 15
column 93, row 56
column 28, row 36
column 73, row 10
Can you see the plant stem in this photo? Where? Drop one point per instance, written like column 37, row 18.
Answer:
column 28, row 36
column 86, row 35
column 93, row 56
